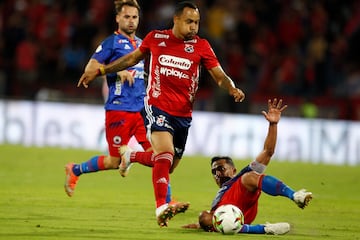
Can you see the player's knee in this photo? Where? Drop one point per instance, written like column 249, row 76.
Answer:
column 111, row 162
column 250, row 180
column 164, row 158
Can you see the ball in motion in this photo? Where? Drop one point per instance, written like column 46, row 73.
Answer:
column 228, row 219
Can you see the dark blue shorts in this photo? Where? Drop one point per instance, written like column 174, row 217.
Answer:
column 158, row 120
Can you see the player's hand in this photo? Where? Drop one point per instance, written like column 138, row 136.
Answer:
column 275, row 108
column 127, row 76
column 87, row 77
column 238, row 94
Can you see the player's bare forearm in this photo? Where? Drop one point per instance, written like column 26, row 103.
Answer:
column 92, row 65
column 225, row 82
column 118, row 65
column 192, row 226
column 90, row 72
column 124, row 62
column 270, row 140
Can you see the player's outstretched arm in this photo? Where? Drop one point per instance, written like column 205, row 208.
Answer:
column 205, row 222
column 91, row 69
column 224, row 81
column 118, row 65
column 273, row 115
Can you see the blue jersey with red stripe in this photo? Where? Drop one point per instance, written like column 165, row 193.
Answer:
column 122, row 97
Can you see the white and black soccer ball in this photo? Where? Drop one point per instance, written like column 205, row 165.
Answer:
column 228, row 219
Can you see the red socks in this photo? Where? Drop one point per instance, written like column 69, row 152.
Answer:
column 144, row 158
column 160, row 176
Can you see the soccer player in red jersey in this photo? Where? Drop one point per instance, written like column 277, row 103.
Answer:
column 244, row 188
column 174, row 66
column 125, row 92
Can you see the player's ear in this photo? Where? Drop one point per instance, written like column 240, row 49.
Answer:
column 234, row 171
column 175, row 18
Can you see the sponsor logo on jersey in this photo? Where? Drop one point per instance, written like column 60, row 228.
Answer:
column 136, row 74
column 189, row 48
column 156, row 85
column 159, row 35
column 123, row 41
column 176, row 62
column 127, row 47
column 173, row 72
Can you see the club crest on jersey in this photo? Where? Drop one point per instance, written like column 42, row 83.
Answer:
column 117, row 140
column 189, row 48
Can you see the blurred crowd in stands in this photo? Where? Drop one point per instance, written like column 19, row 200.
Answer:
column 306, row 51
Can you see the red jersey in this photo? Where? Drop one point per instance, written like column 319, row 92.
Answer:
column 246, row 201
column 174, row 68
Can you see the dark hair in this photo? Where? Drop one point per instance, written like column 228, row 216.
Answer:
column 120, row 3
column 226, row 158
column 181, row 5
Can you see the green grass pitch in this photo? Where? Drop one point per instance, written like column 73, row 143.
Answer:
column 33, row 204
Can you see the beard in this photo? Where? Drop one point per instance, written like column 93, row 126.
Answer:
column 189, row 36
column 128, row 30
column 223, row 180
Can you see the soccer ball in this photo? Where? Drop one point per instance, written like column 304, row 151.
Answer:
column 228, row 219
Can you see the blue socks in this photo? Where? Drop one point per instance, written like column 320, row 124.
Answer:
column 258, row 229
column 93, row 165
column 168, row 195
column 275, row 187
column 97, row 164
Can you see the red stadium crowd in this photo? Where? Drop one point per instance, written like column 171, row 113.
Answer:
column 304, row 50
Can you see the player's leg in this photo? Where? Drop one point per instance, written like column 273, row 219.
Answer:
column 101, row 162
column 160, row 133
column 94, row 164
column 275, row 187
column 181, row 126
column 145, row 157
column 268, row 228
column 205, row 222
column 162, row 143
